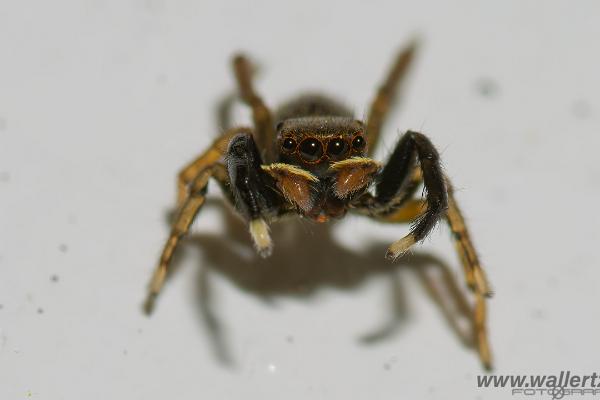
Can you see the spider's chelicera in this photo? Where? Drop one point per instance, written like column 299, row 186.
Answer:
column 311, row 158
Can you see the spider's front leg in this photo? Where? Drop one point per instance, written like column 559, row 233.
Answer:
column 253, row 189
column 395, row 178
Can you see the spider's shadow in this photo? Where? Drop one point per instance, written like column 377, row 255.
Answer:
column 305, row 259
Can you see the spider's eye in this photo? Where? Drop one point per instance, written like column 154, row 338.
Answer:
column 311, row 149
column 337, row 148
column 359, row 143
column 288, row 144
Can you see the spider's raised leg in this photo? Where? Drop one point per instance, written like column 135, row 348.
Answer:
column 263, row 121
column 409, row 209
column 397, row 176
column 386, row 93
column 253, row 189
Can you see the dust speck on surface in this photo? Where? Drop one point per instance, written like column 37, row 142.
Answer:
column 54, row 278
column 487, row 87
column 63, row 248
column 538, row 314
column 1, row 306
column 125, row 352
column 4, row 176
column 155, row 6
column 289, row 339
column 162, row 79
column 40, row 310
column 390, row 363
column 581, row 109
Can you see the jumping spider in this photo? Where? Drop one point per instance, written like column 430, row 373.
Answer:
column 311, row 158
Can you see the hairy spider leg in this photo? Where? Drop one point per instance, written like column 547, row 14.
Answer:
column 387, row 93
column 254, row 190
column 397, row 173
column 409, row 209
column 261, row 115
column 474, row 274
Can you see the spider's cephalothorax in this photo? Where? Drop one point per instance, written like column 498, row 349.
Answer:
column 311, row 158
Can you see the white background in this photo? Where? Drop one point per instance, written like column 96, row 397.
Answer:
column 101, row 102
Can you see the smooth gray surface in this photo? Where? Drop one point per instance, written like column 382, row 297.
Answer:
column 101, row 102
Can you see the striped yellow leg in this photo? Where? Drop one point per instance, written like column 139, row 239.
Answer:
column 474, row 274
column 188, row 210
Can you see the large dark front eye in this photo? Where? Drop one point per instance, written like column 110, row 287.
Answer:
column 337, row 148
column 311, row 149
column 288, row 144
column 359, row 143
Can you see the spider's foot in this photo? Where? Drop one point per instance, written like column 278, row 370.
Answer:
column 148, row 305
column 158, row 279
column 400, row 247
column 259, row 230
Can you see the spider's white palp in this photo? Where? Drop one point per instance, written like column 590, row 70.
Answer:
column 259, row 230
column 399, row 247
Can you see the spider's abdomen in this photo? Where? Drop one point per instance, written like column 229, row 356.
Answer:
column 311, row 105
